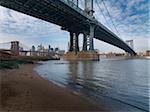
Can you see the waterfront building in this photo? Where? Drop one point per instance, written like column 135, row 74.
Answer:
column 56, row 50
column 112, row 54
column 22, row 52
column 52, row 49
column 33, row 52
column 49, row 48
column 61, row 52
column 40, row 50
column 147, row 52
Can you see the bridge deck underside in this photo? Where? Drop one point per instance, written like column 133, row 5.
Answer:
column 61, row 14
column 102, row 35
column 52, row 11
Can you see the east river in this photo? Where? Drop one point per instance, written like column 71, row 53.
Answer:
column 120, row 84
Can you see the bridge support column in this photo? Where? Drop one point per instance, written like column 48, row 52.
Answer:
column 71, row 42
column 88, row 39
column 91, row 38
column 76, row 42
column 85, row 42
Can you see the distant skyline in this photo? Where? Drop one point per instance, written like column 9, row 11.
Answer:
column 131, row 17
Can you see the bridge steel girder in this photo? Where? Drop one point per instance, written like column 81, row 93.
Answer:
column 60, row 13
column 84, row 48
column 74, row 42
column 71, row 42
column 91, row 37
column 112, row 39
column 76, row 39
column 55, row 7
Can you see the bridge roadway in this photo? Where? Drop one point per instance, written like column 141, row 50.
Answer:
column 67, row 15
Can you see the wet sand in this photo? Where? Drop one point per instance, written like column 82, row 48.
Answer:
column 24, row 90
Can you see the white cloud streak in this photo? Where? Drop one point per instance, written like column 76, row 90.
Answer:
column 131, row 18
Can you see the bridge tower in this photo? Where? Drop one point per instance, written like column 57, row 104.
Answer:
column 88, row 39
column 89, row 7
column 15, row 48
column 76, row 2
column 88, row 51
column 130, row 44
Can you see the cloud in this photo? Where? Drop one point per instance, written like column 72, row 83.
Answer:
column 29, row 30
column 131, row 18
column 123, row 15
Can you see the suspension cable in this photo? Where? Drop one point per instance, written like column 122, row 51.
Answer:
column 110, row 16
column 103, row 14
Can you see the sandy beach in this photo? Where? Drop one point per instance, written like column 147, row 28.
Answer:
column 24, row 90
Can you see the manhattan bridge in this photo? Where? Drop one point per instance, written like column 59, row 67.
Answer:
column 71, row 17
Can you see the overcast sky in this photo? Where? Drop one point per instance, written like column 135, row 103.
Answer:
column 131, row 18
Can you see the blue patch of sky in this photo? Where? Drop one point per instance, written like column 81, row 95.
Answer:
column 42, row 32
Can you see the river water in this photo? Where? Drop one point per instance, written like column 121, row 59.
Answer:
column 120, row 84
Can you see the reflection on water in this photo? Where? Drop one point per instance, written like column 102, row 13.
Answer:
column 80, row 74
column 121, row 84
